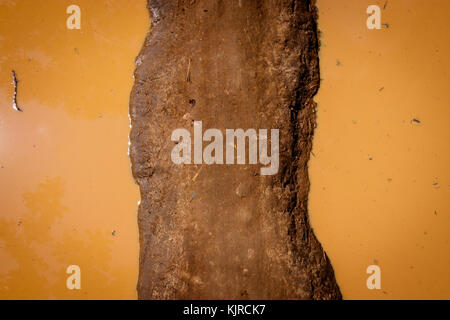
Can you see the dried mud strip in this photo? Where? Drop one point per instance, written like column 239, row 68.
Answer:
column 225, row 231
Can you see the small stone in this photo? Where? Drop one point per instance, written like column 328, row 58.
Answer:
column 242, row 190
column 196, row 280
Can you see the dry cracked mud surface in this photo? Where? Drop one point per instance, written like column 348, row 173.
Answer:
column 226, row 231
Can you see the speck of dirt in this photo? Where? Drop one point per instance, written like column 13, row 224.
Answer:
column 381, row 89
column 192, row 102
column 244, row 293
column 338, row 63
column 436, row 185
column 369, row 157
column 415, row 121
column 113, row 233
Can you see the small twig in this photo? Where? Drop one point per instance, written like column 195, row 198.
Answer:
column 15, row 81
column 188, row 76
column 196, row 175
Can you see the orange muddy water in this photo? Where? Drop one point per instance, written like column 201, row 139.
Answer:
column 67, row 195
column 380, row 183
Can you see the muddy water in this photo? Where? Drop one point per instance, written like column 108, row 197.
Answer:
column 67, row 196
column 381, row 183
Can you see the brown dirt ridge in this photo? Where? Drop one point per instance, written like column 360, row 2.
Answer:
column 226, row 231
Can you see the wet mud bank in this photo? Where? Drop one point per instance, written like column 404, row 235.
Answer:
column 223, row 230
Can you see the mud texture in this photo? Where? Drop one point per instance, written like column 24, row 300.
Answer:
column 226, row 231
